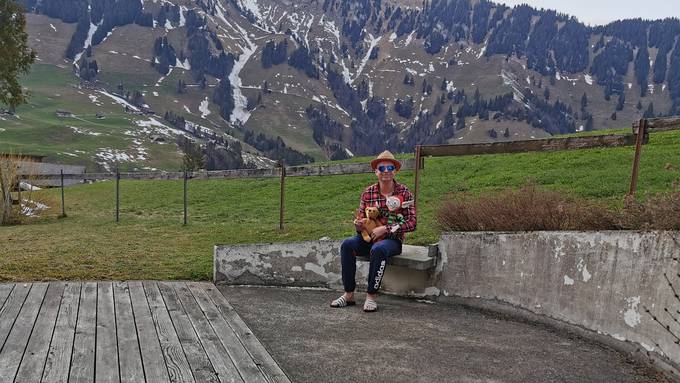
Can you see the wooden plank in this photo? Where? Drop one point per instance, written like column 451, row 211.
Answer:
column 10, row 310
column 5, row 290
column 661, row 124
column 15, row 345
column 59, row 355
column 82, row 358
column 198, row 360
column 178, row 366
column 131, row 369
column 291, row 171
column 155, row 368
column 239, row 355
column 226, row 370
column 258, row 352
column 31, row 367
column 543, row 145
column 106, row 353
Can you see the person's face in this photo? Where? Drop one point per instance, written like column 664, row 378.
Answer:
column 383, row 172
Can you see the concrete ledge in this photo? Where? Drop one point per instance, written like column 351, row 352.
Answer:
column 612, row 283
column 317, row 263
column 413, row 257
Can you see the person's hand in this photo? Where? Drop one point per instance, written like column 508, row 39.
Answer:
column 359, row 224
column 379, row 233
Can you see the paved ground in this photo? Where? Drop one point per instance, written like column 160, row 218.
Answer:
column 410, row 341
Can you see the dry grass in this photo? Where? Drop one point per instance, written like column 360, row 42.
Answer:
column 659, row 211
column 529, row 208
column 533, row 208
column 20, row 202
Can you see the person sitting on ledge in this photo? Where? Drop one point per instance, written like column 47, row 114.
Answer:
column 385, row 240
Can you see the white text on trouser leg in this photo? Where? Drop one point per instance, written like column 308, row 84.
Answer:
column 378, row 277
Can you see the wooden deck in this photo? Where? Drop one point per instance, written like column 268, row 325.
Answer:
column 127, row 332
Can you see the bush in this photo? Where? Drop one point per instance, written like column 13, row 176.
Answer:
column 529, row 208
column 27, row 204
column 658, row 212
column 533, row 208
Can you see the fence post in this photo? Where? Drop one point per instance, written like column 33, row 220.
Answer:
column 281, row 200
column 642, row 129
column 117, row 195
column 185, row 197
column 417, row 176
column 63, row 207
column 19, row 190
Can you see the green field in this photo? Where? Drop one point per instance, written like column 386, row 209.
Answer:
column 151, row 243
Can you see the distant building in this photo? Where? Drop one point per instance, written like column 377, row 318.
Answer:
column 63, row 113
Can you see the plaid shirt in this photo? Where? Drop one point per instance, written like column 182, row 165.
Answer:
column 371, row 197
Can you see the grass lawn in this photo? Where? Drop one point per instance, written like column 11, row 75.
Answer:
column 151, row 243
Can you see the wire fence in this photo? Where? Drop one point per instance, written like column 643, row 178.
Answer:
column 636, row 138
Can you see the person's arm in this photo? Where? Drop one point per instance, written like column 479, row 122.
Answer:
column 361, row 214
column 362, row 206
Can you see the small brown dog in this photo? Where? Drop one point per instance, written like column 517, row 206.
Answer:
column 370, row 222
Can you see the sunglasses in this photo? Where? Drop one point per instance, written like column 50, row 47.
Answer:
column 388, row 168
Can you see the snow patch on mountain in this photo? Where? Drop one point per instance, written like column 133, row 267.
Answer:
column 88, row 41
column 241, row 112
column 373, row 42
column 252, row 6
column 203, row 108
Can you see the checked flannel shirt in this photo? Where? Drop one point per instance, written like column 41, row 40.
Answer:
column 371, row 197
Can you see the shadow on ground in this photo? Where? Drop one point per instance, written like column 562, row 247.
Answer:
column 416, row 341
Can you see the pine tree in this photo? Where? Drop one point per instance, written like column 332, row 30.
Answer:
column 613, row 117
column 649, row 113
column 506, row 134
column 622, row 101
column 584, row 102
column 448, row 119
column 642, row 69
column 589, row 124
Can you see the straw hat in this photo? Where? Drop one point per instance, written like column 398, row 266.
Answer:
column 385, row 156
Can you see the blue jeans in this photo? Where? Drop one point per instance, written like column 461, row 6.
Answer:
column 378, row 254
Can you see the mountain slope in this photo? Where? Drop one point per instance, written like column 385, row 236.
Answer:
column 338, row 78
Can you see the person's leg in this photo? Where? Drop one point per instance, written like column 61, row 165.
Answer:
column 350, row 248
column 380, row 252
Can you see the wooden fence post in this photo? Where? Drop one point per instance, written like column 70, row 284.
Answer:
column 642, row 129
column 417, row 176
column 117, row 195
column 63, row 207
column 185, row 197
column 281, row 200
column 19, row 190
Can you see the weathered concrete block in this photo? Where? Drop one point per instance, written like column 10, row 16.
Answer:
column 602, row 281
column 316, row 263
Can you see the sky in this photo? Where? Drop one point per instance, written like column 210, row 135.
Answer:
column 597, row 12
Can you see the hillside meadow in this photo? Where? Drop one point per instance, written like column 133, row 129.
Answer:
column 150, row 241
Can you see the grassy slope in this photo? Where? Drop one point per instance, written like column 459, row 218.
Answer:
column 150, row 241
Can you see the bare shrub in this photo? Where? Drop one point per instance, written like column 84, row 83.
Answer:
column 16, row 174
column 658, row 212
column 8, row 180
column 529, row 208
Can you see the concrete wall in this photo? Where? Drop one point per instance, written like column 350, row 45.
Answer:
column 601, row 281
column 595, row 282
column 315, row 263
